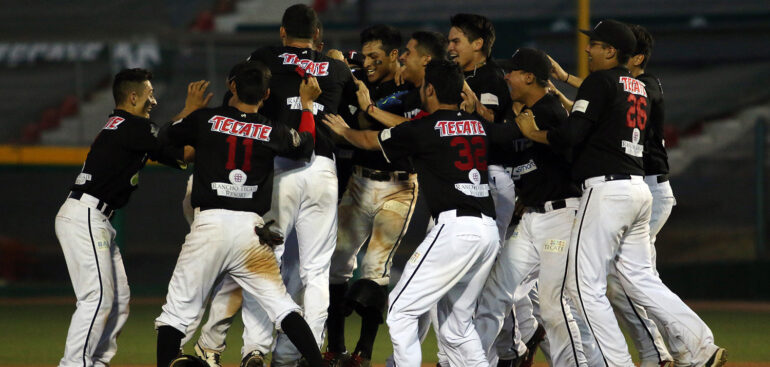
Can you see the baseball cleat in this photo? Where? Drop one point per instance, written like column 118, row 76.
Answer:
column 253, row 359
column 667, row 364
column 186, row 360
column 357, row 361
column 211, row 357
column 532, row 346
column 335, row 359
column 718, row 359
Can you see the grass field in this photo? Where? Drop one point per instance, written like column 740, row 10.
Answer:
column 33, row 334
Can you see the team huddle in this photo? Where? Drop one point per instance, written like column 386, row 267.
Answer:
column 544, row 211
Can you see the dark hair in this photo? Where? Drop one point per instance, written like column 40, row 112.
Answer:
column 252, row 79
column 432, row 44
column 300, row 21
column 126, row 81
column 389, row 36
column 644, row 43
column 447, row 80
column 622, row 56
column 476, row 26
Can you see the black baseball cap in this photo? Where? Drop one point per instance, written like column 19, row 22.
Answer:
column 530, row 60
column 616, row 34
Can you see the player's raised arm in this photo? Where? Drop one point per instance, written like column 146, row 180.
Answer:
column 365, row 103
column 363, row 139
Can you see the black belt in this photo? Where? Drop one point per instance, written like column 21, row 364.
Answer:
column 556, row 204
column 662, row 178
column 102, row 206
column 617, row 177
column 462, row 213
column 468, row 213
column 376, row 175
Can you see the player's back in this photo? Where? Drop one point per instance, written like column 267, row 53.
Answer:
column 449, row 153
column 655, row 156
column 234, row 154
column 283, row 105
column 617, row 105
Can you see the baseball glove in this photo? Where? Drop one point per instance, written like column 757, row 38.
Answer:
column 268, row 237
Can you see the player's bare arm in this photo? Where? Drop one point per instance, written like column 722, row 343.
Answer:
column 565, row 102
column 365, row 103
column 189, row 154
column 471, row 104
column 558, row 73
column 526, row 122
column 363, row 139
column 196, row 98
column 309, row 90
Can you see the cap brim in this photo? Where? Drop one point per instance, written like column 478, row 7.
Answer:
column 506, row 64
column 590, row 33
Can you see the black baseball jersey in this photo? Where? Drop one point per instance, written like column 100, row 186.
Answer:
column 607, row 125
column 389, row 97
column 449, row 152
column 234, row 154
column 655, row 156
column 119, row 152
column 540, row 173
column 284, row 104
column 489, row 85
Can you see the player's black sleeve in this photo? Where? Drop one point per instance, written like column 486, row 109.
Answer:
column 183, row 132
column 290, row 143
column 141, row 136
column 400, row 142
column 502, row 135
column 591, row 100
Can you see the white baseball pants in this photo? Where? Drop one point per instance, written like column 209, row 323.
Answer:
column 503, row 191
column 448, row 269
column 612, row 231
column 381, row 209
column 223, row 242
column 98, row 279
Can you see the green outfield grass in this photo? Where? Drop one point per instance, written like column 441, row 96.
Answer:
column 34, row 334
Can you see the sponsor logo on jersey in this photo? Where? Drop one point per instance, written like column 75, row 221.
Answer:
column 311, row 67
column 385, row 134
column 230, row 126
column 633, row 148
column 113, row 122
column 479, row 191
column 413, row 113
column 455, row 128
column 523, row 169
column 556, row 246
column 474, row 176
column 82, row 178
column 633, row 86
column 234, row 191
column 295, row 103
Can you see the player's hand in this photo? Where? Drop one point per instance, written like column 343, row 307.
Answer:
column 336, row 123
column 470, row 101
column 526, row 122
column 196, row 95
column 362, row 94
column 309, row 90
column 189, row 154
column 557, row 72
column 268, row 237
column 337, row 55
column 399, row 75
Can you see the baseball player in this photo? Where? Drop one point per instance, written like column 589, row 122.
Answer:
column 305, row 194
column 607, row 130
column 377, row 205
column 449, row 152
column 538, row 247
column 235, row 147
column 422, row 47
column 471, row 38
column 105, row 183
